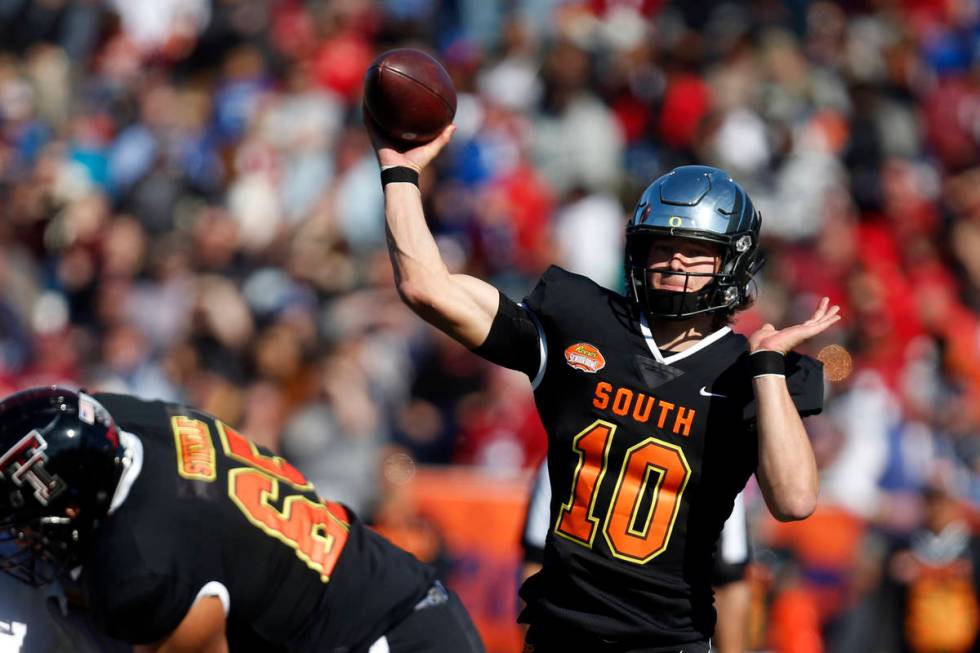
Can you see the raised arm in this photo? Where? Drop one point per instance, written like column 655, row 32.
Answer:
column 787, row 470
column 462, row 306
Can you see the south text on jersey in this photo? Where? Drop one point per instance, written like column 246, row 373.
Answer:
column 643, row 408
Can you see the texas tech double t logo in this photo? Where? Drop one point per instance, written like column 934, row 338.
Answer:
column 25, row 462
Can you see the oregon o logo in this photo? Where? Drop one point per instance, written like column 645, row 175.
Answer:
column 675, row 221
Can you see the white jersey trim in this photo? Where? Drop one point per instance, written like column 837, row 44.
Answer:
column 542, row 348
column 214, row 588
column 673, row 358
column 539, row 509
column 735, row 535
column 132, row 466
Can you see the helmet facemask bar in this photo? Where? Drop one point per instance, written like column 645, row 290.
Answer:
column 681, row 304
column 26, row 551
column 720, row 293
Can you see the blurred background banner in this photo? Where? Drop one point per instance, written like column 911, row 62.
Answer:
column 190, row 210
column 479, row 517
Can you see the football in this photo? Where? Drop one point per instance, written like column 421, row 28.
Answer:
column 409, row 96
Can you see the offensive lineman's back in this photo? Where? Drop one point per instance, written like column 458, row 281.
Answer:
column 211, row 507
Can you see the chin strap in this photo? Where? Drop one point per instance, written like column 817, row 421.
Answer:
column 675, row 305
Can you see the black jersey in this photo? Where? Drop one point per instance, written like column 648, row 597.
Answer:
column 646, row 455
column 731, row 556
column 208, row 506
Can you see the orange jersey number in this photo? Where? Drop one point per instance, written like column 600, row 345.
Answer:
column 239, row 448
column 316, row 531
column 651, row 468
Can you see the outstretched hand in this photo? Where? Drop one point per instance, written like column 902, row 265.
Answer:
column 789, row 338
column 417, row 157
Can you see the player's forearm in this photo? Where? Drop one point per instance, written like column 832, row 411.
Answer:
column 787, row 469
column 460, row 306
column 733, row 602
column 418, row 265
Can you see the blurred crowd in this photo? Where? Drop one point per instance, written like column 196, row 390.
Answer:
column 191, row 211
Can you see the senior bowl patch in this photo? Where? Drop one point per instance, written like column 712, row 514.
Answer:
column 585, row 357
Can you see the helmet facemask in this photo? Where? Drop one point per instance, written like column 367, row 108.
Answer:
column 721, row 293
column 36, row 553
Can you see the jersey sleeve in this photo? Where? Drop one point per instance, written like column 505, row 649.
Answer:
column 559, row 298
column 804, row 380
column 550, row 294
column 513, row 340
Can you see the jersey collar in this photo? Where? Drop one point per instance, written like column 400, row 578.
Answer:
column 673, row 358
column 132, row 465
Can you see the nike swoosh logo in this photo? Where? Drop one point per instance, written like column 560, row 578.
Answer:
column 705, row 393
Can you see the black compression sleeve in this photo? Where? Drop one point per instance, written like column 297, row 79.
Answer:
column 513, row 339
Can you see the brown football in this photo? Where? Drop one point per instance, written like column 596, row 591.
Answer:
column 409, row 95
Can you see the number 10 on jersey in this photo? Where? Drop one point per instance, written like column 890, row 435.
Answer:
column 650, row 467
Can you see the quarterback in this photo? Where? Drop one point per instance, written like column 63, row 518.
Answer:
column 657, row 413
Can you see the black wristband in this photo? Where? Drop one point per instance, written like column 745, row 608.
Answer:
column 767, row 362
column 399, row 174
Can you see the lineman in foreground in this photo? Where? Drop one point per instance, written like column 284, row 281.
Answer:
column 179, row 534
